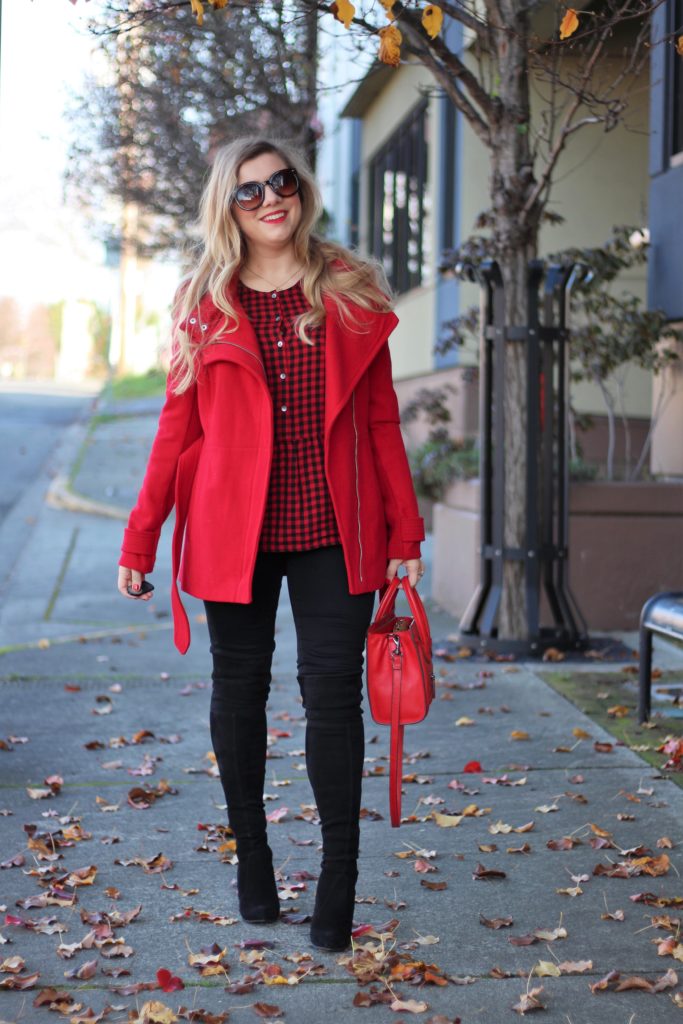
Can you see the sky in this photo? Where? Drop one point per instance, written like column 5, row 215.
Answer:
column 45, row 254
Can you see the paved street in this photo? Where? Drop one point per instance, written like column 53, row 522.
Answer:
column 97, row 702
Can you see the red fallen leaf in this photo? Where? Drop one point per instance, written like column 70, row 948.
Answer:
column 603, row 748
column 472, row 767
column 267, row 1010
column 169, row 982
column 482, row 872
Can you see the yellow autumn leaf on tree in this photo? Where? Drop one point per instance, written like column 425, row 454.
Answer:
column 219, row 3
column 432, row 20
column 343, row 11
column 569, row 23
column 387, row 5
column 198, row 9
column 679, row 46
column 390, row 40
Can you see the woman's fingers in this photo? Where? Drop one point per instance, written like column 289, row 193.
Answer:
column 133, row 578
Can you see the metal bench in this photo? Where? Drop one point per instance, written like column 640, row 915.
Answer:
column 662, row 614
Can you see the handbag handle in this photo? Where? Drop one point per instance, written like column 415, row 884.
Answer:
column 388, row 603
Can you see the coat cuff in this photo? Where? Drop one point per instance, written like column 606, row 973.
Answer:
column 140, row 542
column 413, row 529
column 139, row 549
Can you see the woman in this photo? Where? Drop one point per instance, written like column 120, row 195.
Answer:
column 280, row 446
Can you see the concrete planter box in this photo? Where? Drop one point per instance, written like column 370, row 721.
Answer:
column 625, row 543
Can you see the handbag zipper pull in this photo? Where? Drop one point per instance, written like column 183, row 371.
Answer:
column 397, row 646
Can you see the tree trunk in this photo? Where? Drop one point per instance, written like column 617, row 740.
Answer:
column 516, row 231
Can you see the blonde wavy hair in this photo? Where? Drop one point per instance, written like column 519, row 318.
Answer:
column 330, row 269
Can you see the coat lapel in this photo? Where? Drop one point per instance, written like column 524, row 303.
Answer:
column 349, row 350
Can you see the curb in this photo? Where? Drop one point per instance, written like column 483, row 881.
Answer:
column 60, row 495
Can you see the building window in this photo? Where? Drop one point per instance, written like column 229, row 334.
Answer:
column 399, row 202
column 676, row 83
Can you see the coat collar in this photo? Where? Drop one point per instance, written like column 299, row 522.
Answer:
column 349, row 348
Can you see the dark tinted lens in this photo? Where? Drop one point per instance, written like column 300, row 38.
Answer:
column 285, row 183
column 249, row 196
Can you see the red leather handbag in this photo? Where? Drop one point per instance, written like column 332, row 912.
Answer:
column 400, row 675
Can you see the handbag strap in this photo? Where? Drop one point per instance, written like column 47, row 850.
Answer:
column 396, row 756
column 387, row 607
column 419, row 613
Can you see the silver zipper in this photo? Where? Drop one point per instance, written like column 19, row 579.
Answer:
column 355, row 430
column 248, row 351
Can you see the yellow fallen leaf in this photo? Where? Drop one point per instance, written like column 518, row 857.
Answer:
column 432, row 20
column 344, row 12
column 519, row 734
column 154, row 1012
column 581, row 734
column 464, row 720
column 546, row 969
column 446, row 820
column 618, row 711
column 390, row 39
column 569, row 23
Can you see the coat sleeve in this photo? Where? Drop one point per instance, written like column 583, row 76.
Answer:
column 178, row 427
column 406, row 526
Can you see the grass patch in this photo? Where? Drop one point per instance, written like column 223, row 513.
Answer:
column 144, row 385
column 595, row 692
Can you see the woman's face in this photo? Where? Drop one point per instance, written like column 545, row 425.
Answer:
column 272, row 225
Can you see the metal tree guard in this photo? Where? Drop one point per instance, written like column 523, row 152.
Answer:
column 545, row 550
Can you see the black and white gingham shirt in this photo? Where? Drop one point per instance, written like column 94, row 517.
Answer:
column 299, row 513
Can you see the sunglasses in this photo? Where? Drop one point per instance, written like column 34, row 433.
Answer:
column 250, row 195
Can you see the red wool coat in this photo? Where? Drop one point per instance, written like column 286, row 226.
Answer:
column 212, row 453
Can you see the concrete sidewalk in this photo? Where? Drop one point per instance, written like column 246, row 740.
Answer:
column 94, row 692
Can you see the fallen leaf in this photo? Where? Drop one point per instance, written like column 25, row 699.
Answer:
column 529, row 1001
column 495, row 922
column 410, row 1005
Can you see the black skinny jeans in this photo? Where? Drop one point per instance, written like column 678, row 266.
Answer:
column 331, row 626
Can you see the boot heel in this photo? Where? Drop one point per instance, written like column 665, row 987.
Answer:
column 332, row 920
column 256, row 887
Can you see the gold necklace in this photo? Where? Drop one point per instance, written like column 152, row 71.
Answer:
column 277, row 287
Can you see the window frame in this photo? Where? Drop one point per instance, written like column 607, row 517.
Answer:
column 406, row 146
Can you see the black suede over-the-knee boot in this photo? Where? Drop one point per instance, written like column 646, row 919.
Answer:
column 335, row 748
column 239, row 736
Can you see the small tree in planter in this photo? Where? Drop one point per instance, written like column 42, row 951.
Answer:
column 611, row 333
column 442, row 458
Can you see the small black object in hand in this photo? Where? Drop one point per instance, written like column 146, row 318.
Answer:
column 145, row 588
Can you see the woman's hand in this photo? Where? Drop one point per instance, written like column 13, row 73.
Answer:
column 414, row 568
column 132, row 577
